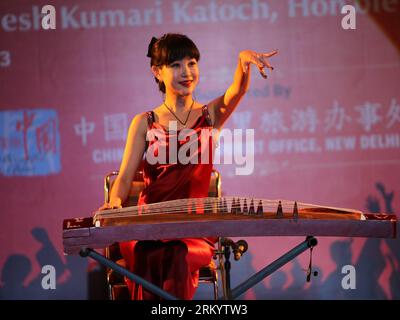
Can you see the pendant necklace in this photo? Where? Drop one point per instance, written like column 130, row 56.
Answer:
column 181, row 122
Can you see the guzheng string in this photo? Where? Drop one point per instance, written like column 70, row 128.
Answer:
column 221, row 204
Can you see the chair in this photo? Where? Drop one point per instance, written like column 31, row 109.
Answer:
column 117, row 290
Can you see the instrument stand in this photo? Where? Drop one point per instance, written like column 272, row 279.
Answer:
column 309, row 243
column 109, row 263
column 227, row 273
column 228, row 293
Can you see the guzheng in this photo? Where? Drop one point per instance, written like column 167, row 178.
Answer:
column 224, row 216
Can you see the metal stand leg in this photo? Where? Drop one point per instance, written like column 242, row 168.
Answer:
column 227, row 270
column 259, row 276
column 146, row 285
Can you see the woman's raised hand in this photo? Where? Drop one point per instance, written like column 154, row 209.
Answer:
column 248, row 57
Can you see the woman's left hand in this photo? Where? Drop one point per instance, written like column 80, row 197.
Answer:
column 248, row 57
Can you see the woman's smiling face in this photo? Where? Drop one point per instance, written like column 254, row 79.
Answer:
column 181, row 76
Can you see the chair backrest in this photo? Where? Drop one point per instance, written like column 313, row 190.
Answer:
column 137, row 186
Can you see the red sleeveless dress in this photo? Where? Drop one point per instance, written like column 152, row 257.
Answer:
column 172, row 264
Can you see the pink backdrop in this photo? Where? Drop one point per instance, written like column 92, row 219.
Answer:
column 326, row 126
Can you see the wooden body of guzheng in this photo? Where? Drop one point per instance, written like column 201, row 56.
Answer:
column 225, row 216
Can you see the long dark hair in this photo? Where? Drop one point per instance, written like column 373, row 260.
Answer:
column 169, row 48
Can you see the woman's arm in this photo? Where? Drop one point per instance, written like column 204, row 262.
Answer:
column 222, row 107
column 133, row 155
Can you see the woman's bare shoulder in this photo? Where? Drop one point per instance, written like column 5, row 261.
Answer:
column 139, row 122
column 140, row 117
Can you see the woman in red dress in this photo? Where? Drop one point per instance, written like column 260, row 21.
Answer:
column 174, row 264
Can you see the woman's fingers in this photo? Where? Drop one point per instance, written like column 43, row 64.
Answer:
column 256, row 59
column 259, row 59
column 108, row 206
column 263, row 59
column 262, row 72
column 103, row 207
column 261, row 64
column 270, row 54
